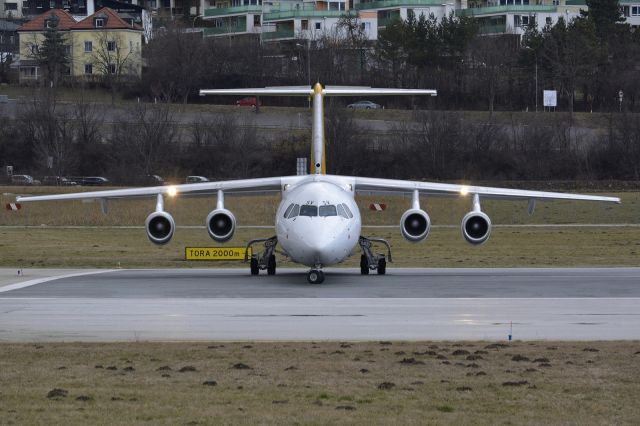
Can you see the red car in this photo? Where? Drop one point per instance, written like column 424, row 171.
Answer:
column 251, row 101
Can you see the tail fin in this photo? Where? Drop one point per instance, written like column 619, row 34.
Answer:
column 317, row 92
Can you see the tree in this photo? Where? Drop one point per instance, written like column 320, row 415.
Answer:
column 52, row 55
column 570, row 54
column 604, row 14
column 115, row 60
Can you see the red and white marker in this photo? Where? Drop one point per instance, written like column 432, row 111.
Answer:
column 378, row 207
column 13, row 206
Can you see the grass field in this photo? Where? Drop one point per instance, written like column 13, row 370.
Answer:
column 400, row 383
column 46, row 245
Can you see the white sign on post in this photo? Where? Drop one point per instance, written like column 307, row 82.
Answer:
column 550, row 98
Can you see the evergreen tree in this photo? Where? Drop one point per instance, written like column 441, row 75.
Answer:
column 604, row 14
column 52, row 55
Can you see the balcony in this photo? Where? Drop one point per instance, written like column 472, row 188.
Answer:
column 501, row 10
column 493, row 29
column 290, row 11
column 216, row 31
column 278, row 35
column 384, row 4
column 230, row 11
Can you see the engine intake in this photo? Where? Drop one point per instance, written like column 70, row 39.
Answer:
column 415, row 225
column 160, row 227
column 221, row 225
column 476, row 227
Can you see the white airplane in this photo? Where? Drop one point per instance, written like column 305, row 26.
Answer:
column 318, row 222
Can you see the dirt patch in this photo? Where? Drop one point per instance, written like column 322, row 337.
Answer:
column 241, row 366
column 187, row 369
column 57, row 393
column 516, row 383
column 386, row 385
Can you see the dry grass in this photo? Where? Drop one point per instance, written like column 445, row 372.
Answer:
column 529, row 246
column 321, row 383
column 507, row 247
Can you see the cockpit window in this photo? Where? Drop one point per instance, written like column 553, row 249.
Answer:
column 295, row 211
column 308, row 210
column 288, row 210
column 346, row 209
column 328, row 210
column 341, row 211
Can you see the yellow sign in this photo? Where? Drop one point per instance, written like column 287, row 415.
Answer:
column 216, row 253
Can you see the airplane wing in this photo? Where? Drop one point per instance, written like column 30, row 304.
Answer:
column 326, row 91
column 375, row 186
column 245, row 186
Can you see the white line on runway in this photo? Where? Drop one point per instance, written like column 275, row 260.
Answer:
column 51, row 278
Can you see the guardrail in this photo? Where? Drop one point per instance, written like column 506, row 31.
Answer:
column 236, row 10
column 383, row 4
column 494, row 10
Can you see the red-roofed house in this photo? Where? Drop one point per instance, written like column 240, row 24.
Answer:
column 100, row 46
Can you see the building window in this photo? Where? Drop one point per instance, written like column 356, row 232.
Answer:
column 366, row 26
column 318, row 25
column 112, row 68
column 67, row 49
column 525, row 21
column 88, row 68
column 99, row 22
column 88, row 46
column 34, row 49
column 10, row 6
column 635, row 10
column 548, row 20
column 304, row 25
column 256, row 21
column 111, row 46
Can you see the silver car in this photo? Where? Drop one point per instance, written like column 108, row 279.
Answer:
column 365, row 105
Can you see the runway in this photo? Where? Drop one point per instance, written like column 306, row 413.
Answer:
column 406, row 304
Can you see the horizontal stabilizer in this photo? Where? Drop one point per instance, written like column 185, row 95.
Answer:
column 326, row 91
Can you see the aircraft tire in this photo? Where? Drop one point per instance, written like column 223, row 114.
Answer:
column 255, row 270
column 271, row 267
column 315, row 276
column 382, row 266
column 364, row 266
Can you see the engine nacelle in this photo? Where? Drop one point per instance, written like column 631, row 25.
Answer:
column 221, row 225
column 160, row 227
column 415, row 225
column 476, row 227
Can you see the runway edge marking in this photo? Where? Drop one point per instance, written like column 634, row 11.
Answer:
column 37, row 281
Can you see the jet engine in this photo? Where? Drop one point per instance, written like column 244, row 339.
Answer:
column 415, row 225
column 221, row 224
column 476, row 227
column 160, row 227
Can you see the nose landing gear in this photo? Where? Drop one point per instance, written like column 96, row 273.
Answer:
column 315, row 276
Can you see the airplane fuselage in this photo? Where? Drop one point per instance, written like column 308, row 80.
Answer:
column 318, row 223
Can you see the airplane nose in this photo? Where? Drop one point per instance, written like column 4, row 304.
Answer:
column 320, row 241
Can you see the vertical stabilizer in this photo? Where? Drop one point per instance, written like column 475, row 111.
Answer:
column 318, row 159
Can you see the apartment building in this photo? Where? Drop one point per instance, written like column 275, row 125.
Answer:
column 102, row 43
column 310, row 19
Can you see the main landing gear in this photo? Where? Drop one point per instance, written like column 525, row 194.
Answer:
column 370, row 261
column 264, row 260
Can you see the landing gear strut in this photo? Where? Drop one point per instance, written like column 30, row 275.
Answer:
column 370, row 261
column 264, row 260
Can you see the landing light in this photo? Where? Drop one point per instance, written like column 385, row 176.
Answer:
column 464, row 190
column 172, row 191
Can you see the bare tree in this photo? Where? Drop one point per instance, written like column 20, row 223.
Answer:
column 115, row 60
